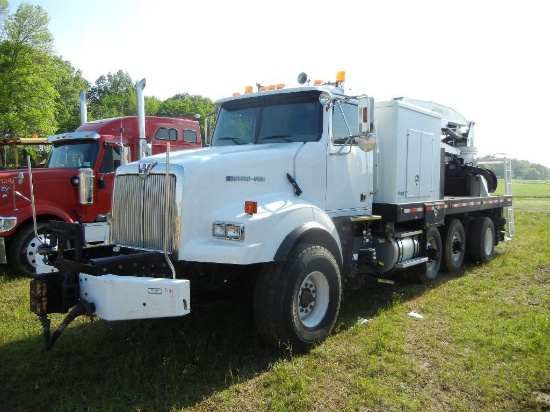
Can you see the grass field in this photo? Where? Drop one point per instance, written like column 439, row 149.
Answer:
column 483, row 345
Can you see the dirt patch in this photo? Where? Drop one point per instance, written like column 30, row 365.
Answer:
column 542, row 398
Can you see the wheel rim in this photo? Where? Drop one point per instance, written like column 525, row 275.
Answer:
column 312, row 300
column 457, row 247
column 432, row 252
column 32, row 247
column 488, row 240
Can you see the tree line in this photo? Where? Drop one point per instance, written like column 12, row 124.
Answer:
column 39, row 91
column 521, row 169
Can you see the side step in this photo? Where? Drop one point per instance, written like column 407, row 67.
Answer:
column 412, row 262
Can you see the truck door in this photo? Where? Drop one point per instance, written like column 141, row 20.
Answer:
column 349, row 169
column 419, row 163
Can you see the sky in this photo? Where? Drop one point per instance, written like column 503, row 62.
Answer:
column 487, row 60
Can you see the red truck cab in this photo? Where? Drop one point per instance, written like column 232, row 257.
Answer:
column 97, row 147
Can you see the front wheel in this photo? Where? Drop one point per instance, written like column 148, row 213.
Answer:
column 24, row 247
column 296, row 302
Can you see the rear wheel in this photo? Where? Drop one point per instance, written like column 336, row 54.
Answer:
column 454, row 249
column 428, row 272
column 296, row 302
column 481, row 240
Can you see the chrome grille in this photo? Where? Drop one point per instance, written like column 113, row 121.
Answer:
column 138, row 217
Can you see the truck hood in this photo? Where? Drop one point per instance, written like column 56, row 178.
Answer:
column 236, row 164
column 207, row 154
column 44, row 181
column 234, row 172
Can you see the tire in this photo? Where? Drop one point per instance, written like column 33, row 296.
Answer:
column 428, row 272
column 454, row 246
column 296, row 302
column 481, row 240
column 23, row 249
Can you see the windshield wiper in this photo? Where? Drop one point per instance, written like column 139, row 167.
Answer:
column 235, row 140
column 285, row 137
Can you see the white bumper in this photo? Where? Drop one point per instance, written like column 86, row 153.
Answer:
column 128, row 297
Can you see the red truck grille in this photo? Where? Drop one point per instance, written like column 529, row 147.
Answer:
column 138, row 213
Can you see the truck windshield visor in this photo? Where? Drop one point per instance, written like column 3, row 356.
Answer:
column 278, row 118
column 74, row 155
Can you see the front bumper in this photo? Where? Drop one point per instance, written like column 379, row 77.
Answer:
column 129, row 297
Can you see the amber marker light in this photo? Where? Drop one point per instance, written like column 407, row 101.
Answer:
column 250, row 207
column 317, row 82
column 247, row 89
column 280, row 86
column 341, row 76
column 365, row 115
column 263, row 88
column 272, row 87
column 236, row 94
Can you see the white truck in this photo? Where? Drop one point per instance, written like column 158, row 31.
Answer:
column 302, row 192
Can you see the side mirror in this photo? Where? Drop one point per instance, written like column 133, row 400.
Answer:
column 367, row 139
column 366, row 115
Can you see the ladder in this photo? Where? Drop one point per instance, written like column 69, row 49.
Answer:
column 509, row 210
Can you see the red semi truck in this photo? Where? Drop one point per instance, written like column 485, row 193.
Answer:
column 89, row 156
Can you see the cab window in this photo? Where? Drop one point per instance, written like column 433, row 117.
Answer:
column 164, row 133
column 111, row 159
column 75, row 154
column 345, row 122
column 190, row 136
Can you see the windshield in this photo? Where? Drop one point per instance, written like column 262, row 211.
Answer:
column 279, row 118
column 74, row 155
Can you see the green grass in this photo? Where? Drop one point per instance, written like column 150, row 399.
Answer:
column 532, row 189
column 484, row 344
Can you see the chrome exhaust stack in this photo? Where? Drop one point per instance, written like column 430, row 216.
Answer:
column 143, row 149
column 83, row 108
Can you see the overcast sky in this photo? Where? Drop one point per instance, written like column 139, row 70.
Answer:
column 487, row 60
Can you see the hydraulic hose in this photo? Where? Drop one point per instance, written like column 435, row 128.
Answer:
column 81, row 308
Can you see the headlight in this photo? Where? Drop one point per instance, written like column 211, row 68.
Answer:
column 7, row 223
column 229, row 231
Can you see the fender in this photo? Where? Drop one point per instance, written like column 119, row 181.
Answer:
column 282, row 219
column 24, row 215
column 314, row 233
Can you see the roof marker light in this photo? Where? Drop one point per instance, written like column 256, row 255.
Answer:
column 341, row 76
column 271, row 87
column 317, row 82
column 248, row 89
column 280, row 86
column 236, row 94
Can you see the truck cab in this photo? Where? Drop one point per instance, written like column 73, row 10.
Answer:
column 97, row 147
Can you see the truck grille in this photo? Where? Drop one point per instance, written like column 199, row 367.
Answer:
column 138, row 217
